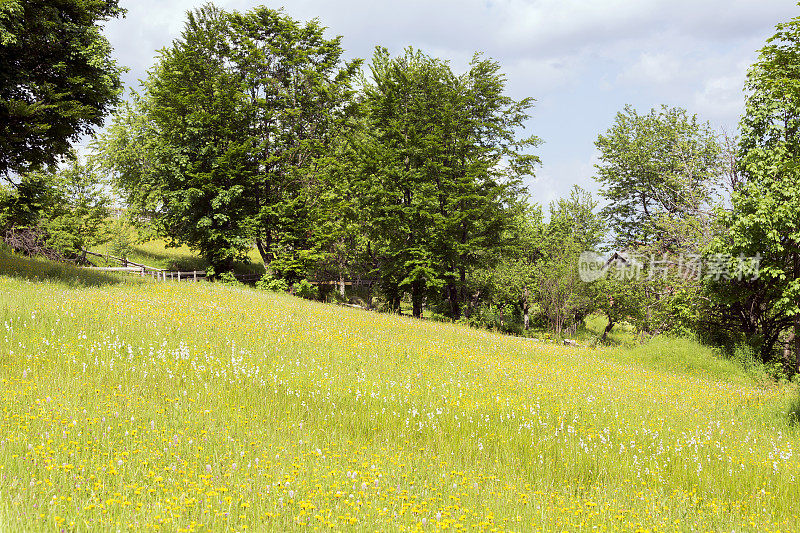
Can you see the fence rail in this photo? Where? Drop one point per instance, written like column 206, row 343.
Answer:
column 160, row 274
column 157, row 274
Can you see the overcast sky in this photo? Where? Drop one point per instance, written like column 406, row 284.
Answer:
column 582, row 60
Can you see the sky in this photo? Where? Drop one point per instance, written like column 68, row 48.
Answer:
column 581, row 60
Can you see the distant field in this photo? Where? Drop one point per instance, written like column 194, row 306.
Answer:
column 156, row 254
column 133, row 405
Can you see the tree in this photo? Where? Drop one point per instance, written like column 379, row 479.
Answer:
column 765, row 219
column 223, row 147
column 573, row 228
column 655, row 167
column 433, row 187
column 57, row 78
column 66, row 209
column 78, row 218
column 511, row 279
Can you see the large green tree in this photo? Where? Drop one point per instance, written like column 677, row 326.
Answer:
column 67, row 209
column 441, row 169
column 765, row 219
column 57, row 78
column 225, row 146
column 655, row 168
column 574, row 227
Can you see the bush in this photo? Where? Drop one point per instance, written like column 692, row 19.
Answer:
column 269, row 282
column 228, row 278
column 304, row 289
column 122, row 237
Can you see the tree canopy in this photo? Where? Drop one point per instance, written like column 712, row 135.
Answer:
column 765, row 219
column 57, row 78
column 227, row 134
column 441, row 168
column 654, row 166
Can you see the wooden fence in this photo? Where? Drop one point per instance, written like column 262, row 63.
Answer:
column 160, row 274
column 157, row 274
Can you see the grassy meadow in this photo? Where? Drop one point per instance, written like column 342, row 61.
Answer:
column 134, row 405
column 155, row 253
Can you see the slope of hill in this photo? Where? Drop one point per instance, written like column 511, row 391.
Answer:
column 155, row 253
column 193, row 407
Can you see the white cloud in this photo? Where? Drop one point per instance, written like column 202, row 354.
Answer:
column 657, row 68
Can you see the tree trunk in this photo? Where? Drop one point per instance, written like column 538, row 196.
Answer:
column 796, row 320
column 797, row 344
column 264, row 251
column 525, row 309
column 788, row 347
column 455, row 305
column 462, row 293
column 607, row 330
column 416, row 299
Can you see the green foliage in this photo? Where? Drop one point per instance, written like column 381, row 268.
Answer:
column 654, row 168
column 78, row 217
column 573, row 228
column 659, row 173
column 57, row 78
column 69, row 206
column 269, row 282
column 304, row 289
column 227, row 278
column 122, row 237
column 765, row 219
column 436, row 200
column 221, row 148
column 23, row 203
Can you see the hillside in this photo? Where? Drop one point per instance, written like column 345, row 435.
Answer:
column 155, row 253
column 129, row 404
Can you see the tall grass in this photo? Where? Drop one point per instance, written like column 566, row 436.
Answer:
column 38, row 269
column 157, row 254
column 189, row 407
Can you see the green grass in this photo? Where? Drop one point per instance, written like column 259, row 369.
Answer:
column 37, row 269
column 622, row 334
column 157, row 254
column 193, row 407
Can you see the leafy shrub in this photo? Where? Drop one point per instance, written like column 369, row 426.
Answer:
column 269, row 282
column 122, row 236
column 304, row 289
column 228, row 278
